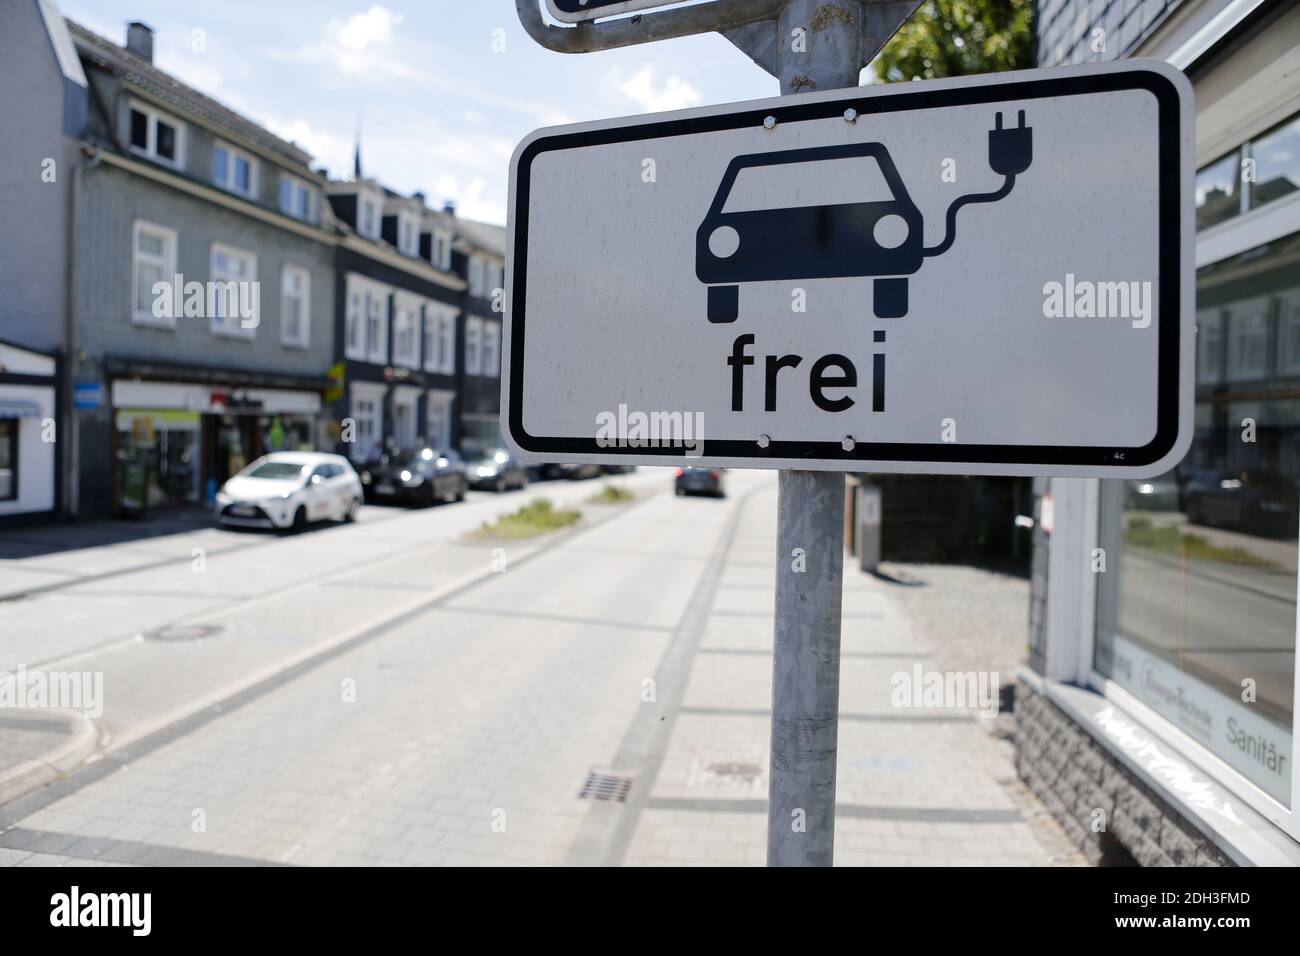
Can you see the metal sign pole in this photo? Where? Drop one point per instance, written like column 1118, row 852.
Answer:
column 819, row 48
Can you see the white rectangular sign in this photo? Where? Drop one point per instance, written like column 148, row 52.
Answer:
column 580, row 11
column 989, row 275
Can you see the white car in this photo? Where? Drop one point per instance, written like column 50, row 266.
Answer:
column 290, row 489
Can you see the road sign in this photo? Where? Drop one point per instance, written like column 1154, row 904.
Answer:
column 578, row 11
column 988, row 275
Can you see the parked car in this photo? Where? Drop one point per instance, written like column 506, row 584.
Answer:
column 421, row 476
column 579, row 471
column 1160, row 493
column 290, row 489
column 699, row 481
column 496, row 470
column 618, row 469
column 1259, row 501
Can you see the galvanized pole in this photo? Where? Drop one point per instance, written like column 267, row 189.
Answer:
column 819, row 48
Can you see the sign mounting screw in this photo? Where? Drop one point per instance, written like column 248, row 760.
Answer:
column 764, row 441
column 848, row 444
column 769, row 122
column 851, row 115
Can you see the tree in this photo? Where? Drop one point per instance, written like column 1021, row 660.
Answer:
column 960, row 37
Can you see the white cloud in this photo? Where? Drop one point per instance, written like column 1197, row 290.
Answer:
column 673, row 93
column 361, row 30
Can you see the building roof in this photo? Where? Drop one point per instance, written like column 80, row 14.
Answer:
column 483, row 236
column 166, row 88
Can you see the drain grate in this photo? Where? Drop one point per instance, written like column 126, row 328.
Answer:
column 184, row 632
column 606, row 785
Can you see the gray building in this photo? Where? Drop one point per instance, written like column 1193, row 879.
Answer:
column 197, row 258
column 481, row 259
column 1157, row 721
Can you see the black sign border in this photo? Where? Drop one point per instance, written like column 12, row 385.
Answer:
column 1170, row 277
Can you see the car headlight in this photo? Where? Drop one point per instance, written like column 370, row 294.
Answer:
column 1145, row 489
column 410, row 480
column 487, row 471
column 223, row 498
column 890, row 231
column 365, row 477
column 724, row 241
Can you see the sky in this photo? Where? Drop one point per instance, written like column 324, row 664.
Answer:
column 441, row 90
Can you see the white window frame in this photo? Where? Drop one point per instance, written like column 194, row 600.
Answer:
column 491, row 348
column 354, row 320
column 441, row 399
column 473, row 345
column 440, row 250
column 168, row 264
column 377, row 318
column 297, row 185
column 476, row 275
column 440, row 339
column 406, row 315
column 408, row 234
column 303, row 340
column 150, row 149
column 369, row 227
column 230, row 326
column 373, row 395
column 232, row 154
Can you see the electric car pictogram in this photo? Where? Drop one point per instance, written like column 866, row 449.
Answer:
column 880, row 238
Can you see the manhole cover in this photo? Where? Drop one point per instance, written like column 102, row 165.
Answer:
column 604, row 785
column 184, row 632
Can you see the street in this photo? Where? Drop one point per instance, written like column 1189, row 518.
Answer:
column 394, row 691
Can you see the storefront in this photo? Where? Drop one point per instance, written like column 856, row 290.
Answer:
column 1157, row 720
column 176, row 443
column 28, row 435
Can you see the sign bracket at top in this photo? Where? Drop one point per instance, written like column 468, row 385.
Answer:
column 764, row 30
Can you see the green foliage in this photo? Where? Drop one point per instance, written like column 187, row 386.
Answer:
column 959, row 38
column 611, row 495
column 534, row 518
column 1141, row 532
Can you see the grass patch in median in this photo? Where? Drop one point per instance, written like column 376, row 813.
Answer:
column 536, row 517
column 611, row 495
column 1141, row 532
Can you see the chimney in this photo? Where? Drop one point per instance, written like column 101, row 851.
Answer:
column 449, row 207
column 419, row 197
column 139, row 40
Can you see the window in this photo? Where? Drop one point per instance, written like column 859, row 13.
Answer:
column 295, row 306
column 1248, row 340
column 233, row 169
column 476, row 281
column 492, row 349
column 404, row 417
column 408, row 235
column 473, row 346
column 1217, row 196
column 368, row 216
column 156, row 135
column 153, row 261
column 1209, row 347
column 368, row 413
column 8, row 459
column 296, row 198
column 439, row 340
column 1200, row 585
column 438, row 419
column 354, row 345
column 440, row 251
column 406, row 334
column 233, row 296
column 1276, row 156
column 377, row 326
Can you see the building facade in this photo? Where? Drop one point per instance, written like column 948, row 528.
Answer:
column 398, row 322
column 481, row 258
column 1157, row 719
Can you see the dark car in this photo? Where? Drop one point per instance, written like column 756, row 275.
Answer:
column 699, row 481
column 1258, row 501
column 838, row 237
column 587, row 470
column 421, row 476
column 496, row 470
column 1160, row 493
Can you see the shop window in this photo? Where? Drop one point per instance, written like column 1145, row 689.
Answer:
column 438, row 420
column 8, row 459
column 367, row 412
column 1196, row 607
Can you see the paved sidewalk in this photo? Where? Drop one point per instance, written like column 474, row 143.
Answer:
column 915, row 787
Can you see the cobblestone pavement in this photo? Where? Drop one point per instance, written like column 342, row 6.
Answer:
column 400, row 720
